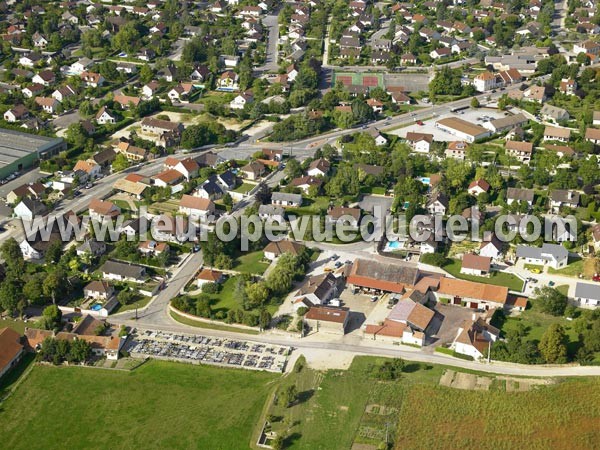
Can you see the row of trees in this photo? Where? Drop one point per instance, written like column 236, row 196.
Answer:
column 57, row 351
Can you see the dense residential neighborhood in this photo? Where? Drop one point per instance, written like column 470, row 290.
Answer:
column 287, row 187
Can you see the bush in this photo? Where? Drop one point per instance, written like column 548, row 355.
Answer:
column 434, row 259
column 389, row 370
column 302, row 310
column 211, row 288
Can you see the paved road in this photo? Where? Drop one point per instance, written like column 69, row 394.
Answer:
column 367, row 347
column 272, row 54
column 156, row 312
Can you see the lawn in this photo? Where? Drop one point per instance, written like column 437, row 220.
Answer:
column 210, row 326
column 310, row 206
column 509, row 280
column 244, row 188
column 126, row 206
column 159, row 405
column 573, row 269
column 17, row 325
column 143, row 301
column 537, row 322
column 251, row 263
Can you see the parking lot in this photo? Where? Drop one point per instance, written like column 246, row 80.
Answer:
column 208, row 350
column 470, row 115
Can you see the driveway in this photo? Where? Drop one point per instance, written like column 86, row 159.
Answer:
column 368, row 202
column 63, row 122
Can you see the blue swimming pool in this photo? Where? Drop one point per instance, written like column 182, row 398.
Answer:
column 96, row 307
column 425, row 180
column 394, row 244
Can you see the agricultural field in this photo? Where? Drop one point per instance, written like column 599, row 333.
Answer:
column 339, row 409
column 566, row 415
column 158, row 405
column 209, row 407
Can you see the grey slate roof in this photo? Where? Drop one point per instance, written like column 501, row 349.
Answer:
column 520, row 194
column 544, row 253
column 587, row 290
column 284, row 196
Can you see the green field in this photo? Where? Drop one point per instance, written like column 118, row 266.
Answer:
column 171, row 405
column 509, row 280
column 159, row 405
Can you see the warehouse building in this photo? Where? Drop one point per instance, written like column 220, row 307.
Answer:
column 20, row 151
column 465, row 131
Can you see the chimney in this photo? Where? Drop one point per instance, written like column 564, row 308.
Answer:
column 570, row 195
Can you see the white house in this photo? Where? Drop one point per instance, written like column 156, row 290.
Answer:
column 587, row 295
column 476, row 265
column 491, row 248
column 552, row 255
column 438, row 204
column 114, row 270
column 241, row 100
column 478, row 187
column 195, row 207
column 474, row 338
column 318, row 168
column 105, row 117
column 420, row 142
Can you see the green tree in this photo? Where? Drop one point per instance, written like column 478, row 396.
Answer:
column 53, row 283
column 553, row 346
column 79, row 351
column 288, row 396
column 146, row 74
column 551, row 300
column 256, row 294
column 475, row 103
column 12, row 255
column 264, row 319
column 76, row 135
column 54, row 252
column 126, row 297
column 51, row 317
column 120, row 163
column 10, row 295
column 32, row 290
